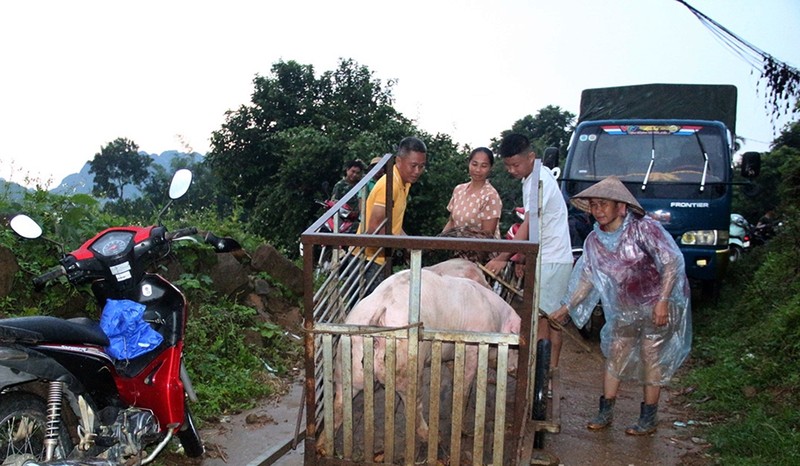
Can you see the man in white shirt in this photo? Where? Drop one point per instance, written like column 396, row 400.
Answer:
column 554, row 242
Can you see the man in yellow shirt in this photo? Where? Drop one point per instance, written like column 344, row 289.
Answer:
column 409, row 164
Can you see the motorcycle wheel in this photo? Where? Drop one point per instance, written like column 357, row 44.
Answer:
column 736, row 253
column 189, row 436
column 540, row 382
column 23, row 420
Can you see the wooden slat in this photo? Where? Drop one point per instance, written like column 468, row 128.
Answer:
column 415, row 293
column 480, row 404
column 327, row 390
column 458, row 402
column 500, row 404
column 433, row 405
column 369, row 398
column 471, row 337
column 388, row 437
column 347, row 394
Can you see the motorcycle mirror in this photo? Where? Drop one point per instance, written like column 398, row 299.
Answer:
column 751, row 165
column 550, row 159
column 180, row 183
column 25, row 227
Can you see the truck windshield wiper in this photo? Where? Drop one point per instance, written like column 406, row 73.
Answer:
column 652, row 161
column 705, row 162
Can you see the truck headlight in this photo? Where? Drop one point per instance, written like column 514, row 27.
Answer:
column 705, row 238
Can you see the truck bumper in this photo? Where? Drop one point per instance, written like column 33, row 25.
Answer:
column 706, row 264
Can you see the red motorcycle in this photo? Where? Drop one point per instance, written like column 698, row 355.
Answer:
column 64, row 399
column 348, row 219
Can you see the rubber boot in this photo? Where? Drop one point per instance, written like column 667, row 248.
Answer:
column 647, row 421
column 604, row 416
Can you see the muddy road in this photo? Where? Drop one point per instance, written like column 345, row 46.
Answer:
column 247, row 438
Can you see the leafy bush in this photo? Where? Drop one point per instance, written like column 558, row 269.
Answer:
column 229, row 372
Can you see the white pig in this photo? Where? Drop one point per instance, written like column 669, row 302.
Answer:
column 460, row 268
column 446, row 303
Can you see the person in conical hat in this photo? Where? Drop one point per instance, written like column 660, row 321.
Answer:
column 636, row 269
column 610, row 188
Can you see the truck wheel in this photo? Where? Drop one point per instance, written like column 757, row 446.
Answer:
column 540, row 383
column 23, row 422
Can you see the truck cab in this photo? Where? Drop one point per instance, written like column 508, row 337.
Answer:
column 679, row 170
column 672, row 147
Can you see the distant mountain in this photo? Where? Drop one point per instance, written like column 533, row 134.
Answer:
column 11, row 190
column 82, row 182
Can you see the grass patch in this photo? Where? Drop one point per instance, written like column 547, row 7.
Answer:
column 233, row 359
column 746, row 359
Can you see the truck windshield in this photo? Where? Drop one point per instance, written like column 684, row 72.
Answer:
column 665, row 160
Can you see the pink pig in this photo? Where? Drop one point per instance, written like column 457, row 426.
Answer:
column 448, row 302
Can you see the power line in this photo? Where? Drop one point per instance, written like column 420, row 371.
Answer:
column 782, row 81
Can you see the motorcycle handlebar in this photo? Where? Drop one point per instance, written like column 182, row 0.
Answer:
column 181, row 233
column 221, row 244
column 52, row 274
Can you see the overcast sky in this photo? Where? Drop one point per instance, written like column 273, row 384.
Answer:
column 76, row 75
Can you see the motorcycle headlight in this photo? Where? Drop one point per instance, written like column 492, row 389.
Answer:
column 705, row 238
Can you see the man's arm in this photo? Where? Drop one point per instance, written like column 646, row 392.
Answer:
column 377, row 216
column 522, row 233
column 495, row 265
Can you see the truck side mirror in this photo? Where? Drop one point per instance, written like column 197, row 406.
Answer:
column 550, row 159
column 751, row 164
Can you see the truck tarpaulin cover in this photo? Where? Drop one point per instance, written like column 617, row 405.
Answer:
column 716, row 102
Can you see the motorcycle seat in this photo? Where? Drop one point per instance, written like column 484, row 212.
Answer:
column 55, row 330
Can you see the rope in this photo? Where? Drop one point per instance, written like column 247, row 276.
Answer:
column 553, row 323
column 506, row 284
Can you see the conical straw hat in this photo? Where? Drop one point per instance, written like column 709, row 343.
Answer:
column 609, row 188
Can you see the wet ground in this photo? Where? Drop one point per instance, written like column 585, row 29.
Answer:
column 252, row 437
column 249, row 438
column 581, row 382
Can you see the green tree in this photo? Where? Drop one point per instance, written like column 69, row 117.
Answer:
column 551, row 127
column 118, row 164
column 426, row 213
column 777, row 185
column 274, row 154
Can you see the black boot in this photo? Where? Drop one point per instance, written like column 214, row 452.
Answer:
column 604, row 416
column 648, row 422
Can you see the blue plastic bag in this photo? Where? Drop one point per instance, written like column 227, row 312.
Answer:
column 130, row 336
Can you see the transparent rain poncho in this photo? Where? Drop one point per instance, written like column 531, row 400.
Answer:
column 630, row 270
